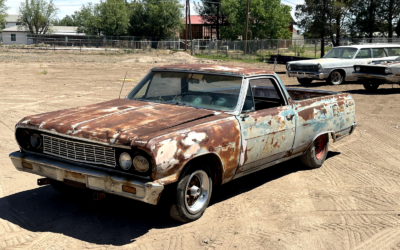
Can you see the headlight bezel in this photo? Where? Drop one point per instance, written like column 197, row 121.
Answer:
column 388, row 71
column 319, row 67
column 288, row 67
column 134, row 152
column 23, row 137
column 357, row 68
column 122, row 162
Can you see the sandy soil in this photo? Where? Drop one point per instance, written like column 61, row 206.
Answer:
column 352, row 202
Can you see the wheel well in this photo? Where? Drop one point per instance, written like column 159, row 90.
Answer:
column 214, row 164
column 340, row 70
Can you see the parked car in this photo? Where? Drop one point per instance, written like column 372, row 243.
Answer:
column 373, row 74
column 198, row 126
column 337, row 65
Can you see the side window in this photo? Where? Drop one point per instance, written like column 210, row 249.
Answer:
column 364, row 53
column 248, row 103
column 378, row 53
column 266, row 94
column 13, row 38
column 393, row 51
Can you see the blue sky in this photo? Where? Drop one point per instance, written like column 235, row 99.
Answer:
column 68, row 7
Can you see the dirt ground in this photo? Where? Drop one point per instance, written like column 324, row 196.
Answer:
column 351, row 202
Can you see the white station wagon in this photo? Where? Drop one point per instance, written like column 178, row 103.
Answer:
column 337, row 65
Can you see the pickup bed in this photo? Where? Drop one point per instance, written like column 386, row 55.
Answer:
column 185, row 128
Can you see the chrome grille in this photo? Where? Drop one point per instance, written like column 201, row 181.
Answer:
column 313, row 68
column 78, row 151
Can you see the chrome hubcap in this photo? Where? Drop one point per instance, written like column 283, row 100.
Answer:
column 336, row 77
column 197, row 191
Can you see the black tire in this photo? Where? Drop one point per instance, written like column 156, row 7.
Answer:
column 370, row 86
column 304, row 81
column 66, row 190
column 314, row 157
column 180, row 208
column 336, row 77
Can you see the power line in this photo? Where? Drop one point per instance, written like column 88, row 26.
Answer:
column 290, row 2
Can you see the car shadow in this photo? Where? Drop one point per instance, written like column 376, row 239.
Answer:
column 381, row 91
column 115, row 220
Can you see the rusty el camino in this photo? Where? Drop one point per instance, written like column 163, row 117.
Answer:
column 187, row 128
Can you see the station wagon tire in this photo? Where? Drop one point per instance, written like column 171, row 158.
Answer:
column 336, row 77
column 370, row 86
column 316, row 154
column 304, row 81
column 193, row 193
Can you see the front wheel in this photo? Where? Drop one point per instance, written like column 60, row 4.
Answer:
column 193, row 194
column 336, row 77
column 316, row 154
column 304, row 81
column 369, row 86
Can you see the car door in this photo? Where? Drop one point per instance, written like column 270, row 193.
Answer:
column 268, row 126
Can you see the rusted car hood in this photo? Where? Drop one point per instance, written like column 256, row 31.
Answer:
column 119, row 121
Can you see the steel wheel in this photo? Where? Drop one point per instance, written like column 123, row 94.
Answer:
column 336, row 78
column 197, row 191
column 316, row 154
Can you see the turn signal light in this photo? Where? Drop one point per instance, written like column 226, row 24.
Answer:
column 27, row 165
column 129, row 189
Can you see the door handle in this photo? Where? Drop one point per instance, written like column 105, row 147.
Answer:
column 289, row 117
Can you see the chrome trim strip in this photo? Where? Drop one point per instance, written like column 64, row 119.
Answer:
column 71, row 137
column 266, row 165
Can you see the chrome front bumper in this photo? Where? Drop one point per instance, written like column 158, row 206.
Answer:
column 384, row 78
column 310, row 75
column 94, row 178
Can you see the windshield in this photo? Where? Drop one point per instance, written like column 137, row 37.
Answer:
column 343, row 53
column 189, row 89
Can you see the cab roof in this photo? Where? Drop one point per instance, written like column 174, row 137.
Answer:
column 216, row 69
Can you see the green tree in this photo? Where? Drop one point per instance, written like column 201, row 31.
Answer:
column 156, row 19
column 211, row 13
column 66, row 21
column 114, row 17
column 37, row 15
column 3, row 14
column 88, row 20
column 388, row 16
column 365, row 22
column 268, row 19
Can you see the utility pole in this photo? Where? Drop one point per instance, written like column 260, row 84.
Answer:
column 247, row 23
column 190, row 30
column 186, row 29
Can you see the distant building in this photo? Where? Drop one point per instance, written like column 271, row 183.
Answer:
column 12, row 20
column 17, row 34
column 200, row 29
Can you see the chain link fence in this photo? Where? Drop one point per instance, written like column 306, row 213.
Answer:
column 259, row 50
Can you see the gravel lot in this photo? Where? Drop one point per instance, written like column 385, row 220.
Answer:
column 352, row 202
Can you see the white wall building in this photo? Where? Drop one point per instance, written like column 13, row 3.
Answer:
column 19, row 35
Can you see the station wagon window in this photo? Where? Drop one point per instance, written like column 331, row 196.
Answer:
column 13, row 38
column 378, row 53
column 393, row 51
column 266, row 94
column 364, row 53
column 344, row 53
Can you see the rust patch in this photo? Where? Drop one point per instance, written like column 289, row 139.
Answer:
column 74, row 175
column 212, row 68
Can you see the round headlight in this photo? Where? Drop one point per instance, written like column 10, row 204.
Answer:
column 319, row 67
column 36, row 141
column 141, row 164
column 357, row 69
column 288, row 67
column 388, row 71
column 125, row 161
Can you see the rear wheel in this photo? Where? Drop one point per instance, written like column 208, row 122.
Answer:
column 369, row 86
column 304, row 81
column 316, row 154
column 336, row 77
column 193, row 194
